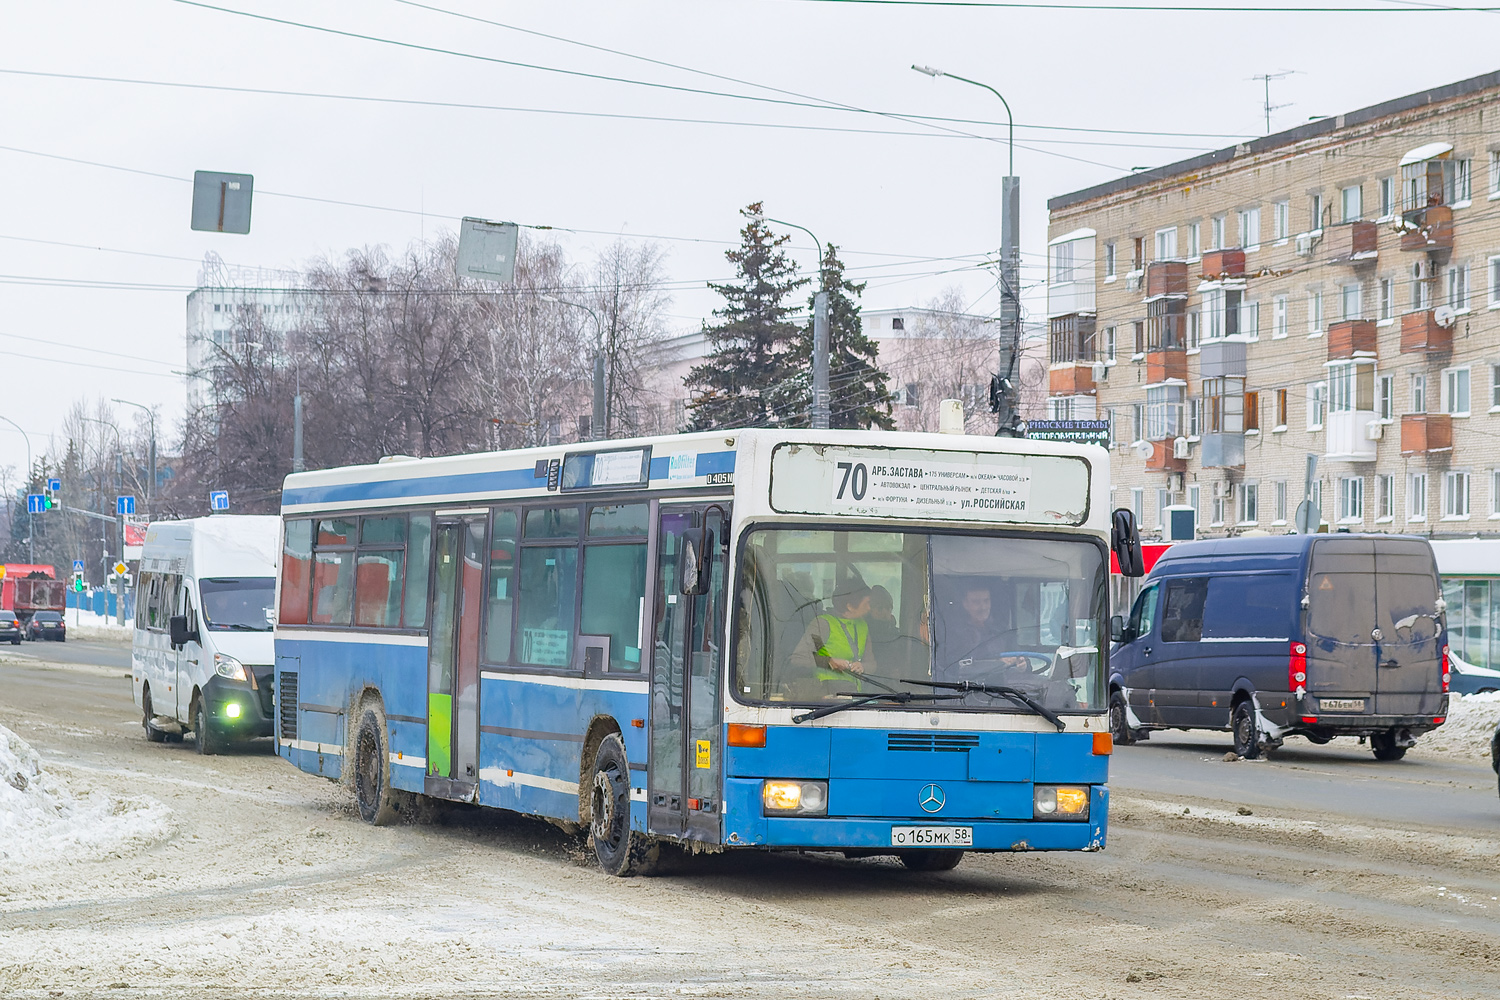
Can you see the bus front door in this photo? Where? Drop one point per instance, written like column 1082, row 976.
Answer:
column 453, row 659
column 685, row 753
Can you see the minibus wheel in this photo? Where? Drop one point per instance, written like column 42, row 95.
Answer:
column 1386, row 748
column 620, row 850
column 152, row 733
column 209, row 741
column 1119, row 719
column 931, row 861
column 1246, row 730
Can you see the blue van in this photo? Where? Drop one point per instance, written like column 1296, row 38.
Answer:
column 1291, row 635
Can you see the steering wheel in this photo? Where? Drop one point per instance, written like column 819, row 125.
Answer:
column 1037, row 663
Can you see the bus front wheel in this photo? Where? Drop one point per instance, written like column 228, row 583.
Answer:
column 620, row 850
column 379, row 803
column 931, row 860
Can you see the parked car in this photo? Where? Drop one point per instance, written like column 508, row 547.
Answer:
column 1309, row 635
column 10, row 628
column 1469, row 679
column 47, row 625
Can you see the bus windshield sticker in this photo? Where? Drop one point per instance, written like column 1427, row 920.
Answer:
column 545, row 647
column 931, row 485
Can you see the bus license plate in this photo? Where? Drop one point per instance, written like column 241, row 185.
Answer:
column 932, row 836
column 1341, row 704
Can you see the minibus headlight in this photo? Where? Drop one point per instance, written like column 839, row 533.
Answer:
column 1060, row 802
column 228, row 666
column 794, row 798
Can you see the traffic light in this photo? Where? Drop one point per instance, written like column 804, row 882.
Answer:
column 78, row 583
column 51, row 496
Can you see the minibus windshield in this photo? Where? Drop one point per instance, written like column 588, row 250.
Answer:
column 239, row 604
column 825, row 615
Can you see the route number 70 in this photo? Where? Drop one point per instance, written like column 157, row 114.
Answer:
column 856, row 480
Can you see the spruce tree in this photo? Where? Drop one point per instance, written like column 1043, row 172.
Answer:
column 747, row 379
column 858, row 396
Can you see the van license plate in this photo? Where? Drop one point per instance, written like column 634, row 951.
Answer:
column 932, row 836
column 1341, row 704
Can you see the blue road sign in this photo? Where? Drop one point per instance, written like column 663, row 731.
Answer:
column 78, row 565
column 218, row 500
column 35, row 503
column 125, row 505
column 54, row 485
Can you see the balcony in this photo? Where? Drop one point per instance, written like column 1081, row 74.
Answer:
column 1346, row 435
column 1167, row 277
column 1219, row 264
column 1161, row 460
column 1351, row 337
column 1426, row 432
column 1070, row 380
column 1422, row 334
column 1429, row 228
column 1222, row 451
column 1350, row 242
column 1072, row 338
column 1166, row 364
column 1218, row 358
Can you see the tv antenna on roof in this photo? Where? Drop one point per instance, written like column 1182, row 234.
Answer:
column 1266, row 79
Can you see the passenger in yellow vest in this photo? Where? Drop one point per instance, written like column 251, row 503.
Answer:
column 835, row 649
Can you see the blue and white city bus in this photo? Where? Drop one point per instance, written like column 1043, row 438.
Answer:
column 823, row 640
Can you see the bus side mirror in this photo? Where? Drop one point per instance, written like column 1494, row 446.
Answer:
column 1125, row 543
column 177, row 625
column 696, row 563
column 1116, row 629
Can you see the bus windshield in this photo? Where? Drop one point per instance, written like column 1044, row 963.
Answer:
column 829, row 614
column 242, row 604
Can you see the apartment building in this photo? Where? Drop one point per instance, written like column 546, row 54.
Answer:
column 1332, row 290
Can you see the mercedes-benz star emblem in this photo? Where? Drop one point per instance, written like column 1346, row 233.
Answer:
column 931, row 798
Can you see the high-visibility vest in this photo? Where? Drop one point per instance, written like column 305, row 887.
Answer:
column 846, row 641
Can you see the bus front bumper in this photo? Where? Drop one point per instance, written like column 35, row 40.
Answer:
column 746, row 826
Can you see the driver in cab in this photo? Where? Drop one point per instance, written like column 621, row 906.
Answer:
column 835, row 648
column 972, row 633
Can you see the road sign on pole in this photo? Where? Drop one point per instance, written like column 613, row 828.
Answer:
column 54, row 485
column 78, row 565
column 218, row 500
column 35, row 503
column 124, row 506
column 120, row 569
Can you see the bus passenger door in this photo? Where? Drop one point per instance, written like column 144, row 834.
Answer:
column 453, row 659
column 685, row 762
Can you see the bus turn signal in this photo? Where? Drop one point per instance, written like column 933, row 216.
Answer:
column 1104, row 744
column 741, row 735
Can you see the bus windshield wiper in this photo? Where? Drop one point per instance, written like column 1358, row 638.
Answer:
column 900, row 697
column 1014, row 694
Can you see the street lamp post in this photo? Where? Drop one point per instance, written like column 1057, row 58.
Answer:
column 820, row 416
column 1005, row 396
column 599, row 421
column 30, row 517
column 151, row 483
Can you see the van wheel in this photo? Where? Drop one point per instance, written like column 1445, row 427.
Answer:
column 379, row 803
column 1384, row 745
column 1119, row 721
column 620, row 850
column 931, row 861
column 152, row 733
column 1246, row 730
column 210, row 741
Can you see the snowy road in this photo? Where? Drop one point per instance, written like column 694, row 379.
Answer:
column 239, row 876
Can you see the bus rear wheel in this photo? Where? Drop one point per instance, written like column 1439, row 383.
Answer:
column 379, row 803
column 931, row 860
column 620, row 850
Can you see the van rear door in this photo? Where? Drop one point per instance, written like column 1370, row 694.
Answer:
column 1341, row 626
column 1409, row 677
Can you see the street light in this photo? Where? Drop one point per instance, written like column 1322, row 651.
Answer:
column 819, row 418
column 151, row 483
column 600, row 417
column 30, row 517
column 1004, row 392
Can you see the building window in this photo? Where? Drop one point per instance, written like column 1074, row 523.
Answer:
column 1252, row 411
column 1138, row 421
column 1278, row 317
column 1416, row 496
column 1195, row 417
column 1138, row 504
column 1216, row 233
column 1250, row 228
column 1314, row 313
column 1224, row 309
column 1195, row 501
column 911, row 396
column 1351, row 387
column 1387, row 397
column 1195, row 240
column 1062, row 262
column 1218, row 514
column 1352, row 201
column 1195, row 329
column 1249, row 502
column 1385, row 498
column 1281, row 220
column 1495, row 493
column 1420, row 293
column 1456, row 392
column 1456, row 182
column 897, row 323
column 1281, row 409
column 1458, row 286
column 1139, row 328
column 1418, row 393
column 1495, row 387
column 1351, row 499
column 1387, row 197
column 1316, row 496
column 1109, row 419
column 1456, row 494
column 1350, row 296
column 1166, row 243
column 1315, row 209
column 1164, row 406
column 1387, row 299
column 1495, row 173
column 1109, row 260
column 1109, row 343
column 1280, row 502
column 1163, row 501
column 1250, row 320
column 1317, row 405
column 1138, row 257
column 1224, row 405
column 1495, row 282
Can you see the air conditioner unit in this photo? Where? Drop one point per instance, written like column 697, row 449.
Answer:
column 1133, row 281
column 1180, row 447
column 1101, row 371
column 1221, row 489
column 1304, row 245
column 1374, row 430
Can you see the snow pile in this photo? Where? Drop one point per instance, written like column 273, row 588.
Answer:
column 84, row 624
column 1471, row 722
column 41, row 820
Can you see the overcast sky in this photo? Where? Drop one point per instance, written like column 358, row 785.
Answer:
column 914, row 205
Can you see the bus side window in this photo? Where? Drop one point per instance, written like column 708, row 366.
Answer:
column 500, row 605
column 418, row 563
column 549, row 588
column 296, row 572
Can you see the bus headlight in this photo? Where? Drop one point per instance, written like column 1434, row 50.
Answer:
column 228, row 666
column 1060, row 802
column 794, row 798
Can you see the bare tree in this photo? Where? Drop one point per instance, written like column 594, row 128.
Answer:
column 946, row 354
